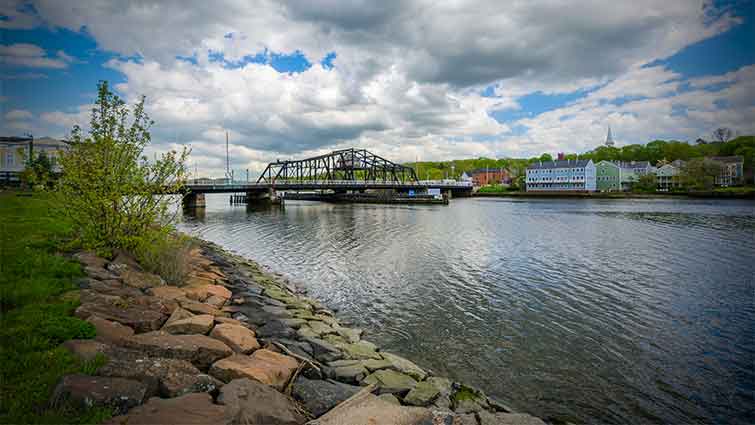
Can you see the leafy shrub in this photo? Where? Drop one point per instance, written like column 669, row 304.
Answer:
column 166, row 255
column 110, row 190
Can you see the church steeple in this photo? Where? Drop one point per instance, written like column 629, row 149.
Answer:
column 609, row 138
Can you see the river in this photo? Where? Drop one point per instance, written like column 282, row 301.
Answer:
column 597, row 311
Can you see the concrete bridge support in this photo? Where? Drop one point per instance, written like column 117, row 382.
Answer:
column 194, row 200
column 263, row 197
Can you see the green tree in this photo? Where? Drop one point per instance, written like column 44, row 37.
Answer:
column 112, row 192
column 700, row 173
column 646, row 183
column 546, row 157
column 38, row 172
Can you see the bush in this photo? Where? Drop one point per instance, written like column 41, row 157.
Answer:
column 111, row 192
column 166, row 255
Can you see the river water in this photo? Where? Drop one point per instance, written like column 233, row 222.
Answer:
column 597, row 311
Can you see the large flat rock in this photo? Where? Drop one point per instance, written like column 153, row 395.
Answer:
column 368, row 409
column 240, row 338
column 198, row 324
column 251, row 402
column 390, row 381
column 86, row 391
column 143, row 314
column 190, row 409
column 263, row 365
column 164, row 377
column 201, row 350
column 110, row 332
column 319, row 396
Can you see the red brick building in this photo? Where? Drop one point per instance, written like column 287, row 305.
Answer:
column 486, row 176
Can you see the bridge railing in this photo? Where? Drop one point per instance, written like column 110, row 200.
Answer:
column 332, row 183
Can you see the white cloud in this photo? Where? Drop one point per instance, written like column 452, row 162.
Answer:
column 18, row 115
column 407, row 75
column 28, row 55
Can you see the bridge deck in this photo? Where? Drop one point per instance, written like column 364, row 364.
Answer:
column 238, row 187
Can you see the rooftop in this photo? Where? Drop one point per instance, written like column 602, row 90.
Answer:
column 567, row 163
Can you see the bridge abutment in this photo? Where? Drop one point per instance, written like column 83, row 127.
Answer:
column 194, row 200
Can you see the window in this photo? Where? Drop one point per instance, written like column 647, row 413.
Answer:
column 10, row 159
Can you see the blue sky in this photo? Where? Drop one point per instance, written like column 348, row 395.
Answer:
column 305, row 81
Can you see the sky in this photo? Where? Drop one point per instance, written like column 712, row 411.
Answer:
column 409, row 80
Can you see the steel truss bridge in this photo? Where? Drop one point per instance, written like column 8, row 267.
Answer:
column 341, row 170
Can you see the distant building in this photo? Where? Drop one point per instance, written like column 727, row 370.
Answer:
column 609, row 138
column 566, row 175
column 732, row 170
column 15, row 152
column 631, row 171
column 607, row 176
column 668, row 176
column 486, row 176
column 465, row 177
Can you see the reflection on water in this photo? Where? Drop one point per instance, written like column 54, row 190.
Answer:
column 583, row 310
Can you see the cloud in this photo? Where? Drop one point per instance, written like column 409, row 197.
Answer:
column 28, row 55
column 16, row 16
column 407, row 75
column 18, row 115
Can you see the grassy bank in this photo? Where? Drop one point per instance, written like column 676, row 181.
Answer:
column 36, row 317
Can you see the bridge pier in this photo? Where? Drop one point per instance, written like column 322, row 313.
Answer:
column 263, row 197
column 194, row 200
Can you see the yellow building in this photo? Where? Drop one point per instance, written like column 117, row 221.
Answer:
column 16, row 151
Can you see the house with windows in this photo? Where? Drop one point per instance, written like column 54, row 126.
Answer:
column 561, row 176
column 607, row 176
column 15, row 152
column 732, row 170
column 668, row 176
column 486, row 176
column 631, row 171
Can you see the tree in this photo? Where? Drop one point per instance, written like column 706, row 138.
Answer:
column 110, row 189
column 700, row 173
column 38, row 172
column 546, row 157
column 722, row 134
column 646, row 183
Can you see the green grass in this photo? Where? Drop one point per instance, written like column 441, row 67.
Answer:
column 493, row 188
column 34, row 319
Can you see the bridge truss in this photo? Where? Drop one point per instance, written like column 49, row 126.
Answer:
column 346, row 164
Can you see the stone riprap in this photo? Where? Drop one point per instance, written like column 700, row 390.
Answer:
column 236, row 344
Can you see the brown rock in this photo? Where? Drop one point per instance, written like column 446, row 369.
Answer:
column 90, row 259
column 368, row 409
column 109, row 332
column 199, row 324
column 265, row 366
column 239, row 338
column 215, row 301
column 201, row 308
column 178, row 314
column 125, row 259
column 203, row 292
column 164, row 377
column 190, row 409
column 228, row 320
column 140, row 314
column 86, row 391
column 99, row 273
column 114, row 287
column 86, row 349
column 250, row 402
column 141, row 280
column 167, row 292
column 200, row 350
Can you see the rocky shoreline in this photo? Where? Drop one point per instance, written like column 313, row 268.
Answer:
column 237, row 345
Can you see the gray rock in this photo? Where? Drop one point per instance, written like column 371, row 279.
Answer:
column 275, row 329
column 390, row 398
column 423, row 394
column 86, row 391
column 164, row 377
column 324, row 351
column 405, row 366
column 487, row 418
column 253, row 403
column 320, row 396
column 352, row 374
column 390, row 381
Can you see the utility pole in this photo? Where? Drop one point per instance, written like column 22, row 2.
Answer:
column 227, row 158
column 247, row 175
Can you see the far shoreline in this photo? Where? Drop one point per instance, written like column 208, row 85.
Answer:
column 745, row 194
